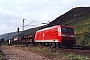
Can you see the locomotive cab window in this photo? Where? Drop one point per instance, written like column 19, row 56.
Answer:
column 64, row 29
column 69, row 30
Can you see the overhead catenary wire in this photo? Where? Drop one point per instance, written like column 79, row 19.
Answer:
column 30, row 23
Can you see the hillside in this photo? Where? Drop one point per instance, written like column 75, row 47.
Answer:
column 73, row 15
column 8, row 36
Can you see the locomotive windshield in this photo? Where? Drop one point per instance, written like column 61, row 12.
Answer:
column 69, row 30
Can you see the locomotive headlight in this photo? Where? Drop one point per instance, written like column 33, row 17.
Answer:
column 64, row 35
column 71, row 35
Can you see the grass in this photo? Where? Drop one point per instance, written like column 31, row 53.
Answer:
column 2, row 57
column 77, row 57
column 52, row 53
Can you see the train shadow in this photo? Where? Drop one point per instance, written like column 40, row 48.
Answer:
column 77, row 47
column 81, row 47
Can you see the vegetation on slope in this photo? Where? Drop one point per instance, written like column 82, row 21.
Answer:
column 82, row 31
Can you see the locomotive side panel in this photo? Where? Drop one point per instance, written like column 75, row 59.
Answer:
column 47, row 35
column 38, row 36
column 50, row 35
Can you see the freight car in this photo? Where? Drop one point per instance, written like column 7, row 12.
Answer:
column 56, row 36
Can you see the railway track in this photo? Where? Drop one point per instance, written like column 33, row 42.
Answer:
column 76, row 50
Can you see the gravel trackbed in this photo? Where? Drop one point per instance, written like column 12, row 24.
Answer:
column 14, row 53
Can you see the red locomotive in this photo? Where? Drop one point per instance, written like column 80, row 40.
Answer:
column 56, row 36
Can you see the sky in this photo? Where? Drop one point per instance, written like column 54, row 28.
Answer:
column 36, row 12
